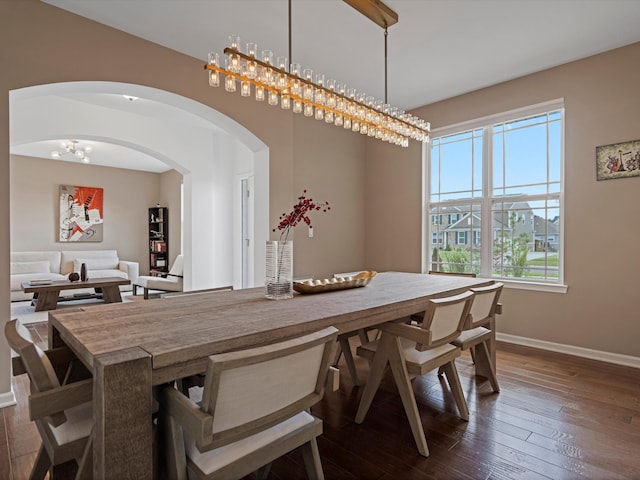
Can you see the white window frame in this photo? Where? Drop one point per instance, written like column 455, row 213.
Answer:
column 486, row 201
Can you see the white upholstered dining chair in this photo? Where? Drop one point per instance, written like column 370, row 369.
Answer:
column 413, row 350
column 61, row 411
column 254, row 409
column 170, row 282
column 478, row 335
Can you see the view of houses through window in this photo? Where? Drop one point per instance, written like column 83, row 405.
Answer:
column 508, row 169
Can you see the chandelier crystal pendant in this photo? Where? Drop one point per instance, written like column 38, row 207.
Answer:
column 73, row 147
column 313, row 96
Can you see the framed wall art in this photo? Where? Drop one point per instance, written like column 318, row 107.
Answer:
column 618, row 160
column 81, row 215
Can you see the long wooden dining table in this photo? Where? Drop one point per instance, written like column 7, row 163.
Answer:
column 132, row 347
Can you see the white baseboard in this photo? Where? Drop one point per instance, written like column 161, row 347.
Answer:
column 7, row 399
column 616, row 358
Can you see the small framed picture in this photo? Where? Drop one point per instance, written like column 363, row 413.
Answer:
column 618, row 160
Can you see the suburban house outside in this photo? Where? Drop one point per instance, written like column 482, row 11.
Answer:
column 458, row 228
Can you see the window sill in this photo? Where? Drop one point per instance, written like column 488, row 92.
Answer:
column 534, row 286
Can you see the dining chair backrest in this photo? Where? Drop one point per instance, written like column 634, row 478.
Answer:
column 62, row 414
column 248, row 391
column 446, row 317
column 34, row 361
column 484, row 305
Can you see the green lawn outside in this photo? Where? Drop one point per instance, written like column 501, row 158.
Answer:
column 552, row 261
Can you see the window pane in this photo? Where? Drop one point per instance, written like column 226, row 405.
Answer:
column 456, row 163
column 457, row 250
column 555, row 155
column 522, row 203
column 521, row 160
column 526, row 239
column 435, row 173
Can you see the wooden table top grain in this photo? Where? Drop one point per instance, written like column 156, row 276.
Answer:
column 178, row 329
column 130, row 347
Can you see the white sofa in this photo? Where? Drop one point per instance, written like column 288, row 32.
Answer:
column 54, row 265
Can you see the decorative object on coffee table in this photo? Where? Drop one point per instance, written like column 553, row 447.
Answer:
column 83, row 272
column 279, row 254
column 74, row 277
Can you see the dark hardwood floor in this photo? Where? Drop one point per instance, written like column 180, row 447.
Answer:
column 556, row 417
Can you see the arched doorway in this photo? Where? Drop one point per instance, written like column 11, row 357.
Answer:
column 213, row 153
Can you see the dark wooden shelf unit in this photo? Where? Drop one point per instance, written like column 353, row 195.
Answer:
column 158, row 240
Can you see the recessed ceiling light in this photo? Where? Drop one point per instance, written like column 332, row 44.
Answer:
column 130, row 98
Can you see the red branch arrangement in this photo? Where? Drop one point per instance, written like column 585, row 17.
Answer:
column 300, row 213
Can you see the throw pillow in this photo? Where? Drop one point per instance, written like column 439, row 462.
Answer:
column 96, row 263
column 30, row 267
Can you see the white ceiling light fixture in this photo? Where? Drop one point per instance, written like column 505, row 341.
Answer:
column 312, row 95
column 73, row 147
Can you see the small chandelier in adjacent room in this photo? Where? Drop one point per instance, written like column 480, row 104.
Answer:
column 73, row 147
column 279, row 82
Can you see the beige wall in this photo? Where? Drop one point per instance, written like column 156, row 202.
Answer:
column 36, row 39
column 376, row 189
column 35, row 206
column 602, row 219
column 329, row 165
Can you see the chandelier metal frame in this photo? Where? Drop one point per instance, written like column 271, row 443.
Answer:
column 340, row 106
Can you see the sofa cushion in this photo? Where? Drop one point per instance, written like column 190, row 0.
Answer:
column 39, row 256
column 104, row 263
column 43, row 266
column 68, row 257
column 18, row 279
column 93, row 274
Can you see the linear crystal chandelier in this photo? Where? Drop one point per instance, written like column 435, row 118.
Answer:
column 303, row 92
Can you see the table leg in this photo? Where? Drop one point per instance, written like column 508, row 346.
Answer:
column 123, row 442
column 376, row 372
column 47, row 300
column 111, row 294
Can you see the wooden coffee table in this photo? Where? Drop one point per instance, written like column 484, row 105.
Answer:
column 46, row 297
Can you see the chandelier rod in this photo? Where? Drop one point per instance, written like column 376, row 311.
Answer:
column 290, row 54
column 386, row 34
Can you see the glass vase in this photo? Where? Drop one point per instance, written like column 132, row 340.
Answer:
column 278, row 283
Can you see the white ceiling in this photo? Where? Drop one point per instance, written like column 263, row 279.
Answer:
column 437, row 50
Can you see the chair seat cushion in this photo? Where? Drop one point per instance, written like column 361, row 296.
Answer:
column 469, row 338
column 218, row 458
column 415, row 357
column 411, row 355
column 78, row 424
column 160, row 283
